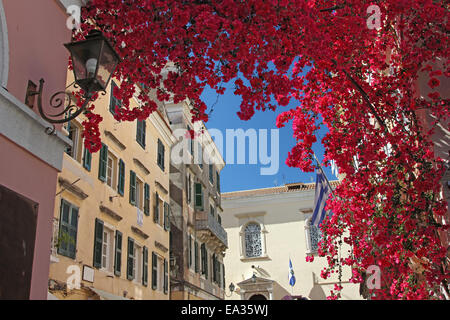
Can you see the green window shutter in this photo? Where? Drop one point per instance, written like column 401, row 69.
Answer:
column 156, row 213
column 68, row 228
column 130, row 259
column 154, row 271
column 146, row 199
column 211, row 177
column 189, row 251
column 103, row 163
column 166, row 216
column 118, row 254
column 206, row 264
column 218, row 181
column 121, row 182
column 202, row 257
column 87, row 159
column 214, row 268
column 166, row 277
column 140, row 132
column 196, row 266
column 161, row 155
column 132, row 187
column 98, row 242
column 113, row 101
column 198, row 196
column 145, row 266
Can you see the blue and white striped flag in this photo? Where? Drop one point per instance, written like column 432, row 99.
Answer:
column 320, row 201
column 291, row 274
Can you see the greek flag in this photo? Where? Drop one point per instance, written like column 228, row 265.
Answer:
column 321, row 197
column 291, row 274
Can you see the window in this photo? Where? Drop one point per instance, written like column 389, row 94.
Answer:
column 68, row 228
column 75, row 150
column 219, row 219
column 160, row 273
column 313, row 237
column 103, row 163
column 211, row 210
column 211, row 174
column 191, row 141
column 198, row 196
column 204, row 259
column 190, row 251
column 107, row 249
column 140, row 132
column 161, row 154
column 189, row 188
column 137, row 263
column 113, row 101
column 139, row 194
column 253, row 246
column 218, row 181
column 196, row 257
column 111, row 170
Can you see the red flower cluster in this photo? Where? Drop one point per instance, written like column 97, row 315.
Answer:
column 357, row 82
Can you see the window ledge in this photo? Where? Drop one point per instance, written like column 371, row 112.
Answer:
column 261, row 258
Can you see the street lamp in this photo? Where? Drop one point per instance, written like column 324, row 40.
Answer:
column 231, row 287
column 94, row 62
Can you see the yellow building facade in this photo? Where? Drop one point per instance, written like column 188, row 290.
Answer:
column 111, row 218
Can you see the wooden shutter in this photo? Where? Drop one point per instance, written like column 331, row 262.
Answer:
column 132, row 187
column 130, row 259
column 118, row 254
column 98, row 242
column 156, row 213
column 68, row 227
column 166, row 216
column 121, row 182
column 73, row 229
column 146, row 199
column 202, row 257
column 140, row 132
column 189, row 251
column 198, row 196
column 145, row 266
column 196, row 266
column 87, row 159
column 218, row 181
column 103, row 163
column 113, row 101
column 154, row 271
column 161, row 154
column 166, row 277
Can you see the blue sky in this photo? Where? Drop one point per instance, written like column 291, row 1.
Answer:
column 236, row 177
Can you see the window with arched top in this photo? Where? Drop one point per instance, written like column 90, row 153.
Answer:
column 253, row 243
column 313, row 236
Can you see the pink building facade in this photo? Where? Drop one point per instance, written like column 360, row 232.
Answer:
column 32, row 34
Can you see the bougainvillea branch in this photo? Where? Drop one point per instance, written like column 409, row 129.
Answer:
column 343, row 75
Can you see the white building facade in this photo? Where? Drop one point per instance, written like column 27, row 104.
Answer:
column 266, row 228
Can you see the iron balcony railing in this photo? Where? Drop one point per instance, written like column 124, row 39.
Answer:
column 213, row 225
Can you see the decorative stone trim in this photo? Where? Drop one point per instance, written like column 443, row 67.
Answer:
column 141, row 165
column 161, row 246
column 139, row 232
column 114, row 139
column 110, row 213
column 71, row 187
column 161, row 187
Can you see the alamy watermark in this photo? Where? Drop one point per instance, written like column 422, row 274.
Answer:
column 235, row 143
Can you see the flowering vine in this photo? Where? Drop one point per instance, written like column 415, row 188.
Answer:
column 361, row 84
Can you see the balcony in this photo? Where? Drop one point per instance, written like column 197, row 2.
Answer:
column 210, row 230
